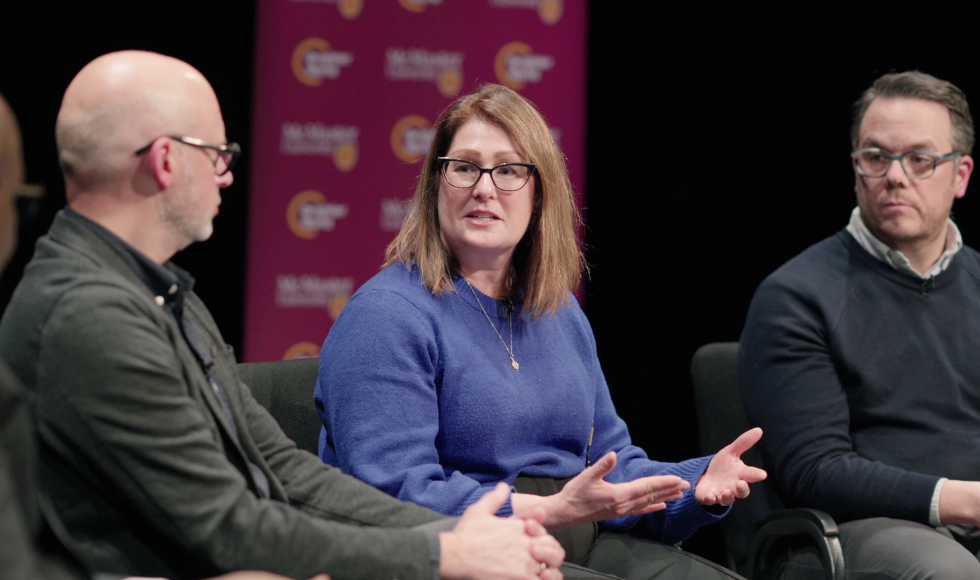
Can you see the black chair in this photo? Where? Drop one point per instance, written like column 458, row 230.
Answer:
column 755, row 533
column 285, row 389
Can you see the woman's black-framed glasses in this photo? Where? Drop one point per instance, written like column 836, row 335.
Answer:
column 505, row 177
column 227, row 154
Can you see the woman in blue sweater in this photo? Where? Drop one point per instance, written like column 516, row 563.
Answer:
column 467, row 361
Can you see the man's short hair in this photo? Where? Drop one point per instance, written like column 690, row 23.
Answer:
column 919, row 85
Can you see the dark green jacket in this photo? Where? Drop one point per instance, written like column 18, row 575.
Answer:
column 137, row 457
column 30, row 549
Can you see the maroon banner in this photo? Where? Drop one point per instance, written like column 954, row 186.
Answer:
column 346, row 92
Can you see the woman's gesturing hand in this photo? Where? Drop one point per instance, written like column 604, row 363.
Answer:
column 727, row 477
column 588, row 497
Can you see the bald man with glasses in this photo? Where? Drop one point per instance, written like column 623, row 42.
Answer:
column 155, row 456
column 32, row 537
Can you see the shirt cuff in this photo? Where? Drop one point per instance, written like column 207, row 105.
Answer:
column 431, row 531
column 934, row 505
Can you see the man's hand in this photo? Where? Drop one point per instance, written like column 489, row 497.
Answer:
column 727, row 478
column 483, row 546
column 589, row 498
column 959, row 502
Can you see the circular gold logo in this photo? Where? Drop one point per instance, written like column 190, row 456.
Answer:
column 449, row 82
column 550, row 11
column 302, row 350
column 398, row 133
column 350, row 9
column 413, row 5
column 292, row 212
column 337, row 304
column 297, row 61
column 345, row 156
column 500, row 63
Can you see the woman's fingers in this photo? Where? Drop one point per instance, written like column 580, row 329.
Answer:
column 601, row 468
column 657, row 487
column 648, row 495
column 589, row 497
column 745, row 441
column 752, row 474
column 647, row 509
column 669, row 495
column 742, row 489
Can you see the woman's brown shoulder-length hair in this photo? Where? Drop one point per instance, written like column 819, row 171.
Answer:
column 548, row 261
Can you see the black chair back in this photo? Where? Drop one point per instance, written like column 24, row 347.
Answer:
column 721, row 419
column 757, row 528
column 285, row 389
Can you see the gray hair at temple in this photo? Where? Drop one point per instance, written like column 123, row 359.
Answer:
column 919, row 85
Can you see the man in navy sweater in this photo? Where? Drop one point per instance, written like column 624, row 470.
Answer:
column 859, row 357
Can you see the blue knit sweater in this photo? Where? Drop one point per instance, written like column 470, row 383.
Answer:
column 419, row 400
column 865, row 380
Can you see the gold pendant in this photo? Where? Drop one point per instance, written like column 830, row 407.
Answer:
column 514, row 364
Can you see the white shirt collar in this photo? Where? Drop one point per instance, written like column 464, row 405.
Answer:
column 895, row 258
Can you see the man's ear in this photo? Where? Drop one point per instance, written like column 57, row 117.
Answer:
column 962, row 178
column 161, row 160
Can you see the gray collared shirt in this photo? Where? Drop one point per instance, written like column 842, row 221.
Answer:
column 895, row 258
column 898, row 261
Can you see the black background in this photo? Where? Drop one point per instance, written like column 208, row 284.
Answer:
column 717, row 149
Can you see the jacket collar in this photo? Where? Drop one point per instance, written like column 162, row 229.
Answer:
column 169, row 283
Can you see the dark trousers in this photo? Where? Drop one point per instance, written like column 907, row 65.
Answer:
column 617, row 555
column 594, row 554
column 887, row 549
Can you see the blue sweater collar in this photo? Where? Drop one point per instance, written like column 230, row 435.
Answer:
column 493, row 307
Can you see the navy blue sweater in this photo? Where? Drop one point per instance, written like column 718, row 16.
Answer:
column 420, row 400
column 865, row 380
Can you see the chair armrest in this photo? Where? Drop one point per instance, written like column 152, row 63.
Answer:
column 779, row 524
column 822, row 520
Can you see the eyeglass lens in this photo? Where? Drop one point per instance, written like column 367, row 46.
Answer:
column 505, row 177
column 226, row 155
column 224, row 162
column 225, row 159
column 876, row 163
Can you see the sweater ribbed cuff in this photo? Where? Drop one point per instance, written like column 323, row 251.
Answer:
column 507, row 509
column 687, row 513
column 682, row 517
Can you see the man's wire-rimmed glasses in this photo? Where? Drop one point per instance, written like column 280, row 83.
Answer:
column 227, row 154
column 875, row 162
column 505, row 177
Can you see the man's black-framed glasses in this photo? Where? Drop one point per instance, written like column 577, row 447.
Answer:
column 227, row 154
column 875, row 162
column 505, row 177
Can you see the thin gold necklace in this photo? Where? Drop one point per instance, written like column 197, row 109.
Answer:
column 510, row 350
